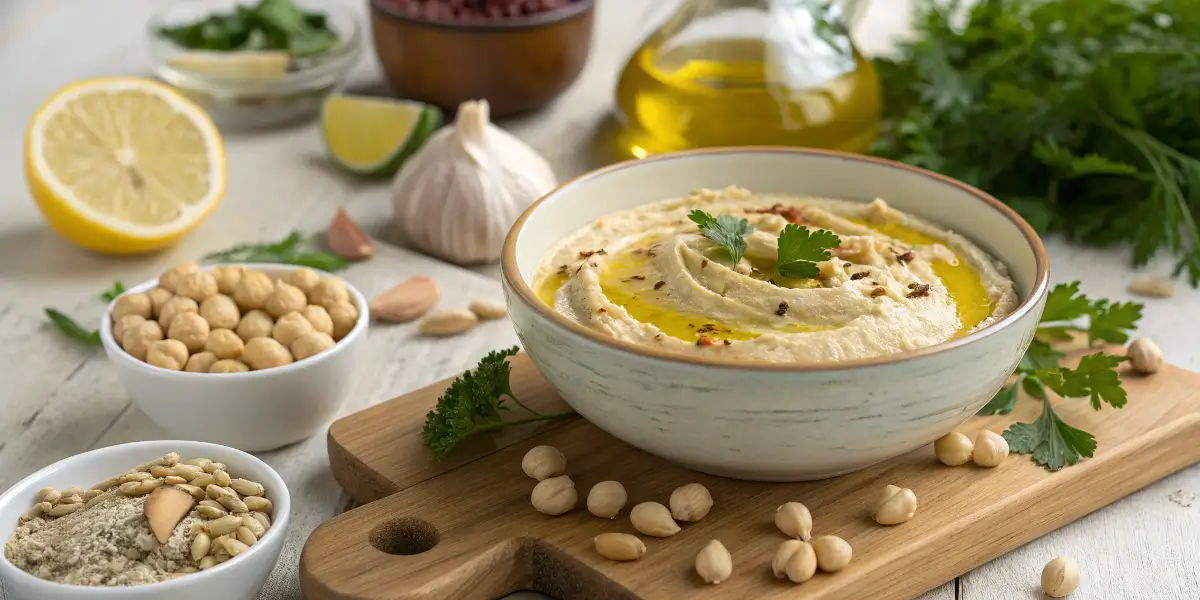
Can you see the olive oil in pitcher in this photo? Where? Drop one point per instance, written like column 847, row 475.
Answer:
column 749, row 72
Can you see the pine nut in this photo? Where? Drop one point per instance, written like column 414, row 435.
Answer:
column 224, row 525
column 258, row 504
column 200, row 546
column 246, row 487
column 245, row 536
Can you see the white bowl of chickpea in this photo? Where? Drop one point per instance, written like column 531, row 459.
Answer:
column 254, row 356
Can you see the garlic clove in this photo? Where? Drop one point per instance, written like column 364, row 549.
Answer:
column 346, row 239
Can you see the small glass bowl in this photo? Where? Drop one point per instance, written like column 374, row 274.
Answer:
column 243, row 102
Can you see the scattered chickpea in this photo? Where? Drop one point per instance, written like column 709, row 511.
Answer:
column 794, row 520
column 833, row 553
column 713, row 563
column 544, row 462
column 125, row 322
column 606, row 499
column 953, row 449
column 690, row 502
column 224, row 343
column 136, row 341
column 220, row 311
column 252, row 291
column 158, row 297
column 174, row 307
column 328, row 292
column 191, row 329
column 200, row 362
column 198, row 286
column 303, row 279
column 265, row 353
column 795, row 560
column 1060, row 577
column 1144, row 356
column 255, row 324
column 990, row 449
column 344, row 315
column 619, row 546
column 310, row 344
column 171, row 278
column 131, row 304
column 653, row 519
column 228, row 277
column 229, row 366
column 285, row 299
column 167, row 354
column 291, row 327
column 554, row 496
column 895, row 505
column 319, row 318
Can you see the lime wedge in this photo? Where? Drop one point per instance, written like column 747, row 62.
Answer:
column 235, row 65
column 374, row 136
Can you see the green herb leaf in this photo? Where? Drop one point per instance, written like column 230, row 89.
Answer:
column 801, row 248
column 1040, row 357
column 284, row 252
column 1066, row 303
column 475, row 403
column 111, row 294
column 1004, row 401
column 1095, row 378
column 727, row 230
column 71, row 329
column 269, row 25
column 1113, row 322
column 1053, row 443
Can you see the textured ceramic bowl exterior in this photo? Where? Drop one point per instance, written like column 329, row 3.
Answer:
column 240, row 578
column 253, row 411
column 773, row 422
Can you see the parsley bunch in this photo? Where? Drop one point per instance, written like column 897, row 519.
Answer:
column 285, row 251
column 475, row 403
column 799, row 247
column 1053, row 443
column 1082, row 115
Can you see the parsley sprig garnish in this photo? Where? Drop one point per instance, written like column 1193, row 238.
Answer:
column 111, row 294
column 727, row 230
column 800, row 249
column 72, row 329
column 285, row 251
column 475, row 403
column 1053, row 443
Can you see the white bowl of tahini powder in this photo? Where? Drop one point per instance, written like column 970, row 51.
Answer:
column 107, row 549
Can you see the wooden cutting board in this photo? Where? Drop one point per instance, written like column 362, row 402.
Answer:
column 465, row 529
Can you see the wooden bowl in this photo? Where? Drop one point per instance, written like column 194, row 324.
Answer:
column 517, row 65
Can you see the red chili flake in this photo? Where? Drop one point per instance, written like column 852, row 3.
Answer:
column 906, row 257
column 913, row 285
column 782, row 310
column 920, row 291
column 659, row 285
column 705, row 341
column 793, row 214
column 859, row 275
column 877, row 292
column 602, row 309
column 704, row 263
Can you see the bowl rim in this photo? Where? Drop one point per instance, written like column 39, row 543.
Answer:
column 513, row 280
column 574, row 9
column 281, row 519
column 360, row 326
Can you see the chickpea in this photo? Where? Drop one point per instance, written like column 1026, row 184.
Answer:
column 198, row 286
column 228, row 278
column 224, row 343
column 125, row 322
column 290, row 327
column 285, row 299
column 220, row 311
column 200, row 362
column 311, row 343
column 174, row 307
column 136, row 341
column 344, row 316
column 328, row 292
column 229, row 366
column 191, row 329
column 171, row 278
column 167, row 354
column 264, row 353
column 158, row 297
column 319, row 318
column 303, row 279
column 252, row 291
column 254, row 324
column 131, row 304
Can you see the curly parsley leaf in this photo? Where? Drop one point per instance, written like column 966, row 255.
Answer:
column 111, row 294
column 474, row 403
column 71, row 329
column 801, row 248
column 727, row 230
column 286, row 251
column 1053, row 443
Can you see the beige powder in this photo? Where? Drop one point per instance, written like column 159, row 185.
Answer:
column 109, row 544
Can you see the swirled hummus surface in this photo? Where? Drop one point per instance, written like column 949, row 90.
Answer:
column 896, row 282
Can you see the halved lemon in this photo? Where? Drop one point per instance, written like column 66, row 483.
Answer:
column 123, row 165
column 374, row 136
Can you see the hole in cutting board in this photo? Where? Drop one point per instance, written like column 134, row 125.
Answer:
column 405, row 537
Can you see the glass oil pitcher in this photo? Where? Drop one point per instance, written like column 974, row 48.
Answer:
column 750, row 72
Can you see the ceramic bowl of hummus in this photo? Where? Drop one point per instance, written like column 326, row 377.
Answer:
column 799, row 360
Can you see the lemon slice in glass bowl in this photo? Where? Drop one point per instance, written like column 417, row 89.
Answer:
column 123, row 165
column 374, row 136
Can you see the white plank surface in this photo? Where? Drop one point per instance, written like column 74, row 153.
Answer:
column 61, row 400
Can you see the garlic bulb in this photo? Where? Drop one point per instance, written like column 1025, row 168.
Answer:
column 457, row 197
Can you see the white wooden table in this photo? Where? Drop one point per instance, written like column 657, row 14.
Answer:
column 60, row 400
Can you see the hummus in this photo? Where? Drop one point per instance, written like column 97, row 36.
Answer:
column 896, row 283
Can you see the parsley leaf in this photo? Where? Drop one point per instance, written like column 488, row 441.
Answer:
column 71, row 329
column 1110, row 322
column 1065, row 303
column 801, row 248
column 111, row 294
column 727, row 230
column 1053, row 443
column 475, row 403
column 267, row 25
column 1095, row 378
column 285, row 251
column 1004, row 401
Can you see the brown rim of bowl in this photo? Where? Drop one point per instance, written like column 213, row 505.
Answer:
column 510, row 273
column 570, row 11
